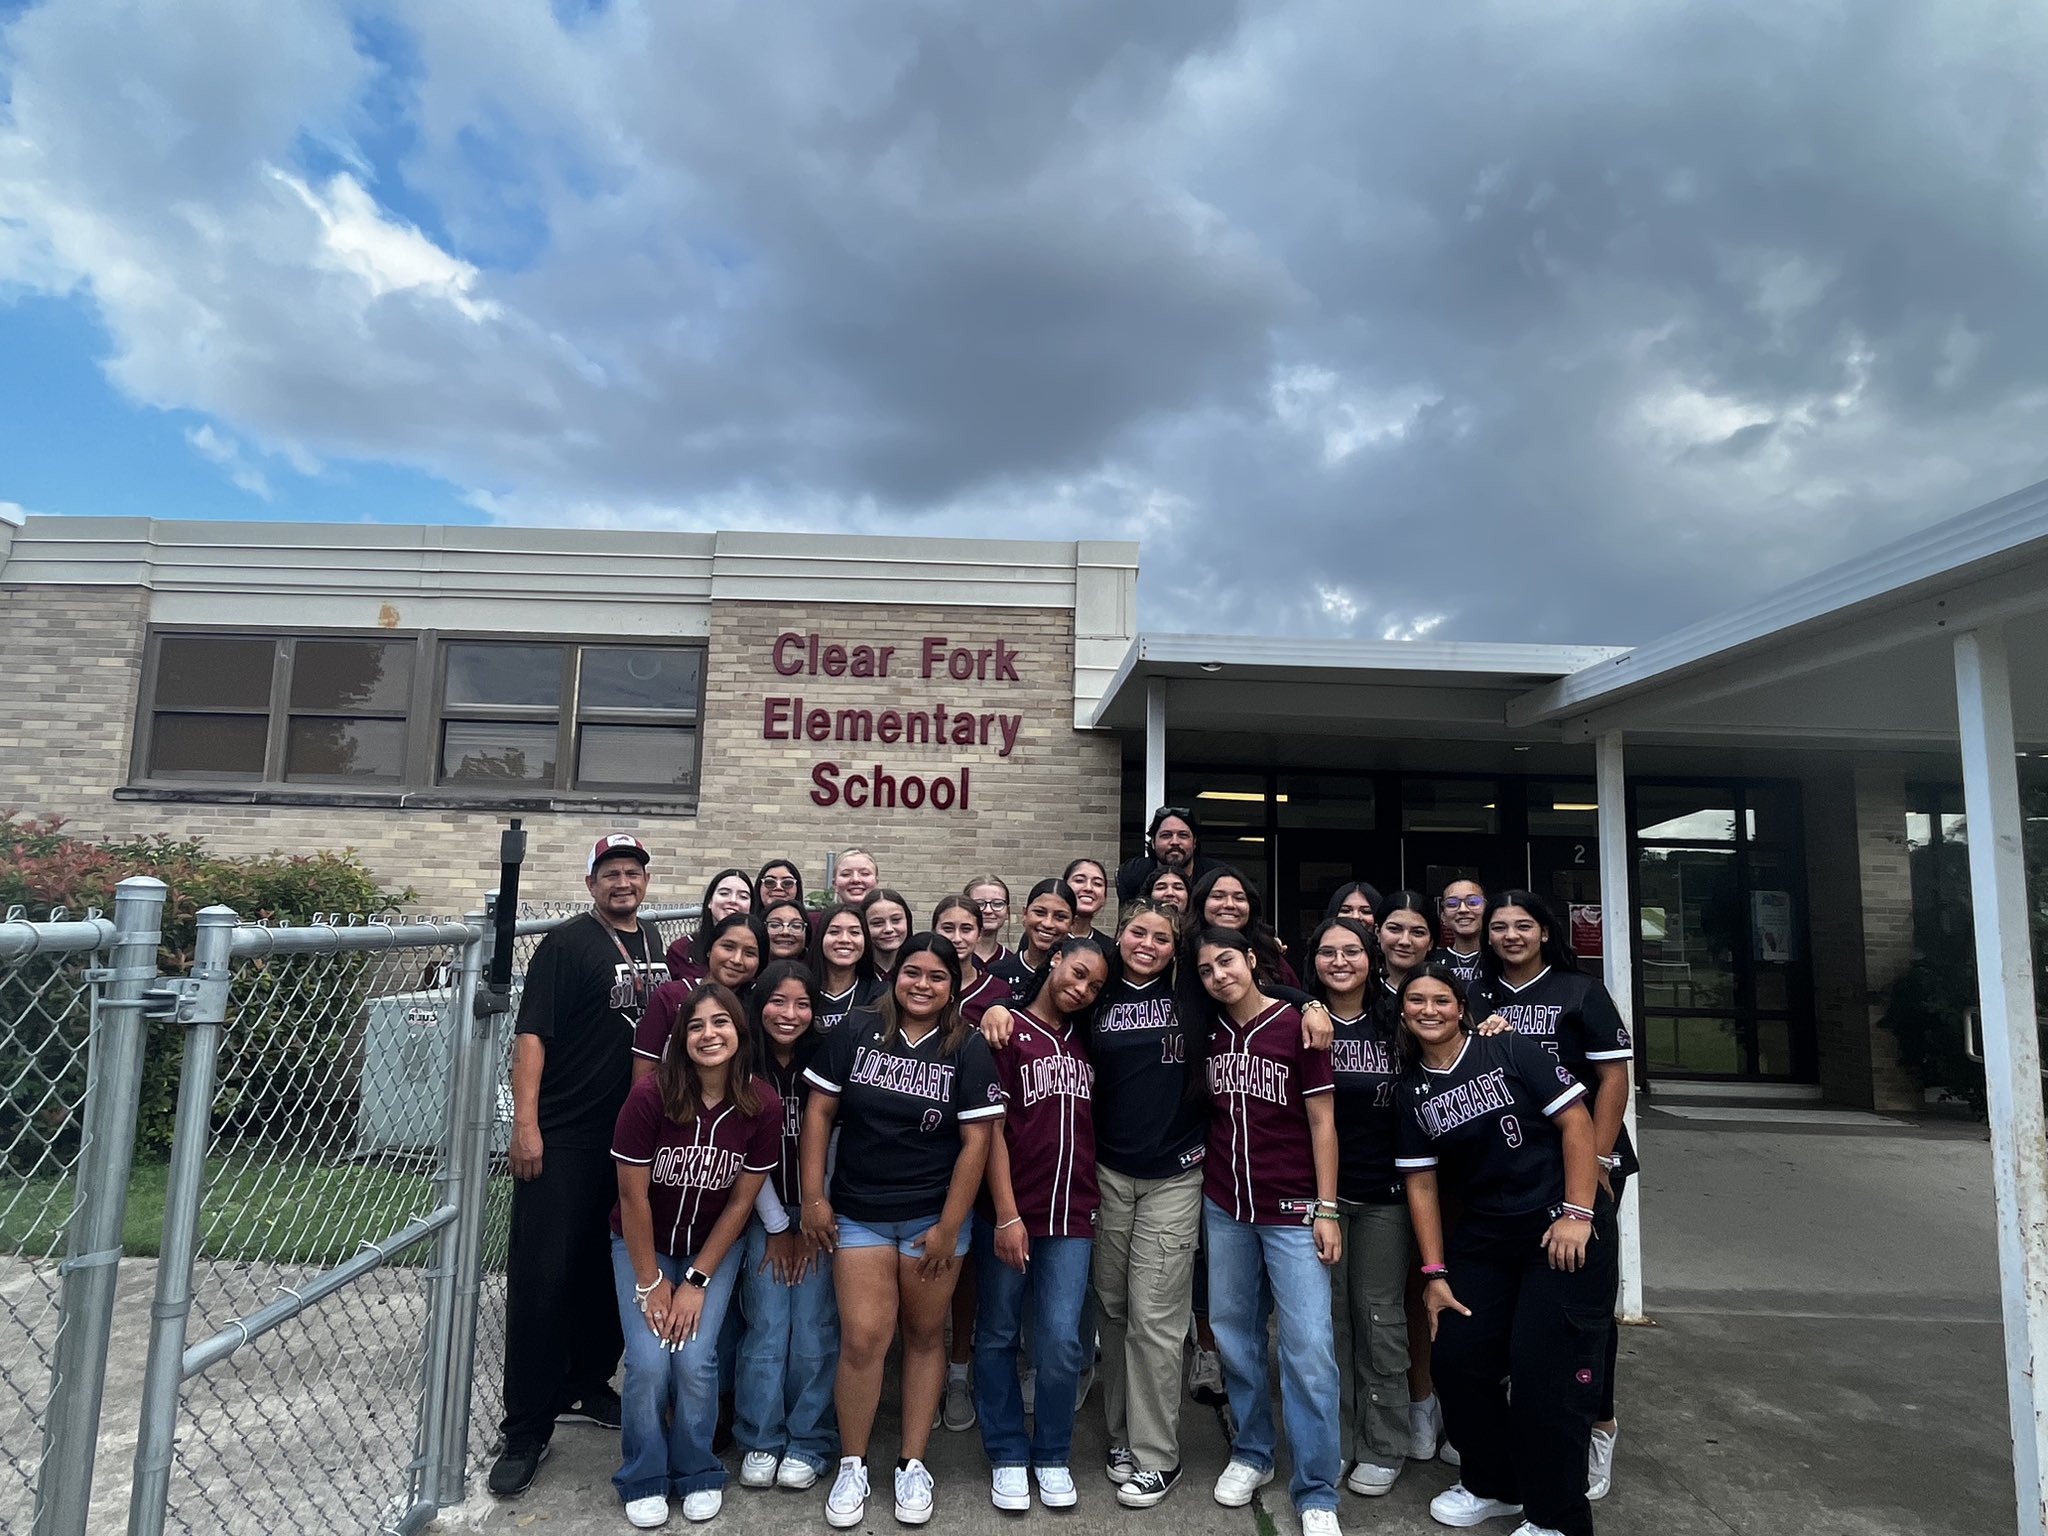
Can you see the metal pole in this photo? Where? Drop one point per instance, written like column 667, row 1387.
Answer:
column 2012, row 1051
column 192, row 1139
column 1155, row 745
column 487, row 982
column 1618, row 969
column 459, row 1019
column 91, row 1267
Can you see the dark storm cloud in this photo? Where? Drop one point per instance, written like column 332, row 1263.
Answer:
column 1506, row 322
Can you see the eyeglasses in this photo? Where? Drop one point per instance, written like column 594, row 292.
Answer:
column 1353, row 953
column 1452, row 903
column 788, row 925
column 991, row 906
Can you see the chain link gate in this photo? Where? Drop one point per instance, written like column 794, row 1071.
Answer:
column 325, row 1343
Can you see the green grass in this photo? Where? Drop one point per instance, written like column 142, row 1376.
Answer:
column 286, row 1212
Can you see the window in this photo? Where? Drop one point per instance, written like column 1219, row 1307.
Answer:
column 474, row 718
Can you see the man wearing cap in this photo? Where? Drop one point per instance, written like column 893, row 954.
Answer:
column 572, row 1062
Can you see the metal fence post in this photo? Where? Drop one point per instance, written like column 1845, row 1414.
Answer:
column 91, row 1267
column 478, row 1108
column 440, row 1479
column 163, row 1377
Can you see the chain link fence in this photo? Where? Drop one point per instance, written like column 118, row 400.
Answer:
column 325, row 1346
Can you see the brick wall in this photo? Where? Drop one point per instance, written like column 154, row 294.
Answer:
column 70, row 668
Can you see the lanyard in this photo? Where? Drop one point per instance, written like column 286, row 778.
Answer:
column 636, row 969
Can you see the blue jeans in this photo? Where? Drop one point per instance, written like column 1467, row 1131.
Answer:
column 1055, row 1284
column 783, row 1401
column 677, row 1459
column 1244, row 1260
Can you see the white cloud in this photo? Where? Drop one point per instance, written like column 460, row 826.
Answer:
column 227, row 453
column 390, row 257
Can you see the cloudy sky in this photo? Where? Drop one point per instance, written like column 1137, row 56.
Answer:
column 1511, row 321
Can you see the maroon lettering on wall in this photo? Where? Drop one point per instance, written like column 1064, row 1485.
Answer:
column 938, row 725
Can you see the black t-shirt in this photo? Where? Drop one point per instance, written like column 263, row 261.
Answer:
column 837, row 1005
column 791, row 1088
column 1130, row 876
column 1015, row 974
column 1465, row 967
column 583, row 999
column 1484, row 1123
column 1362, row 1061
column 900, row 1112
column 1146, row 1124
column 1571, row 1016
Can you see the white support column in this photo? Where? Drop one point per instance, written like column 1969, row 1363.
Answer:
column 1155, row 744
column 1617, row 951
column 2012, row 1052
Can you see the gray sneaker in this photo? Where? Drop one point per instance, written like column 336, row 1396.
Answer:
column 956, row 1408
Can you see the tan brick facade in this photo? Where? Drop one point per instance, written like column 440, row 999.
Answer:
column 68, row 698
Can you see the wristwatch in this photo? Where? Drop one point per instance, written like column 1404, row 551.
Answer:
column 697, row 1277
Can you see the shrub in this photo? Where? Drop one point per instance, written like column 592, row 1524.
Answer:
column 45, row 1007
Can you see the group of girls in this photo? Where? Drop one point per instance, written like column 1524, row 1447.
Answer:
column 1025, row 1140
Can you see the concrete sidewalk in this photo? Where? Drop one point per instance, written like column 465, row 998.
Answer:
column 1825, row 1361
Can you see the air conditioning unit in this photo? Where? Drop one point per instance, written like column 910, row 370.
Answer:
column 408, row 1051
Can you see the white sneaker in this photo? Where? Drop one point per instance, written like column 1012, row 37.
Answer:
column 793, row 1472
column 1240, row 1480
column 1056, row 1487
column 1010, row 1488
column 703, row 1505
column 1531, row 1528
column 1426, row 1425
column 1600, row 1463
column 956, row 1408
column 847, row 1504
column 757, row 1469
column 1320, row 1522
column 1371, row 1479
column 649, row 1513
column 914, row 1494
column 1460, row 1506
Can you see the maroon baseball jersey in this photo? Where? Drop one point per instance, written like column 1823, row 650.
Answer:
column 691, row 1168
column 1049, row 1127
column 658, row 1018
column 1261, row 1165
column 988, row 990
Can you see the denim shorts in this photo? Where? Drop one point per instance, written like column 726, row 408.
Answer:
column 898, row 1234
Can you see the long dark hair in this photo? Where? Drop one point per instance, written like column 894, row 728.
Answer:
column 1191, row 1000
column 1314, row 979
column 1260, row 938
column 863, row 968
column 1053, row 886
column 1411, row 901
column 952, row 1026
column 1346, row 891
column 1407, row 1049
column 1556, row 950
column 784, row 903
column 772, row 976
column 725, row 925
column 700, row 941
column 1059, row 952
column 1145, row 888
column 788, row 864
column 682, row 1091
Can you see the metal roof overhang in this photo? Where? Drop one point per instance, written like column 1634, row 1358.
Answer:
column 1253, row 683
column 1861, row 654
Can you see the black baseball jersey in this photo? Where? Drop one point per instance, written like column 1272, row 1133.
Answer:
column 1571, row 1016
column 1147, row 1124
column 1484, row 1123
column 791, row 1088
column 1362, row 1062
column 1464, row 967
column 1014, row 973
column 582, row 999
column 900, row 1112
column 835, row 1006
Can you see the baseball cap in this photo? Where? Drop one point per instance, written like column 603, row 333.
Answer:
column 617, row 842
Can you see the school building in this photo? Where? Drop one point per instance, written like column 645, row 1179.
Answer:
column 1776, row 788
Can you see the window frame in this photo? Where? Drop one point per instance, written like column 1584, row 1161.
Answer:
column 420, row 783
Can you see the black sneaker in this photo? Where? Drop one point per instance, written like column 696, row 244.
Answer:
column 1147, row 1488
column 516, row 1467
column 1123, row 1465
column 600, row 1408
